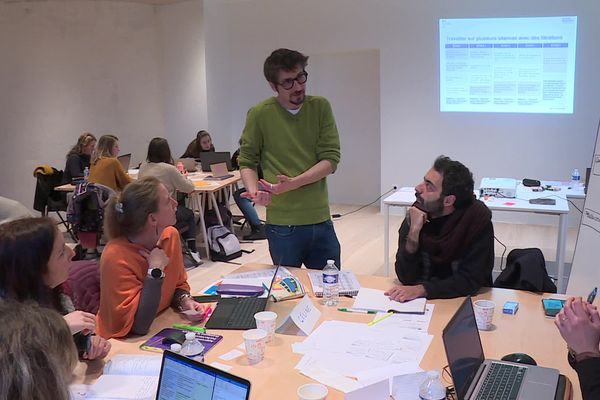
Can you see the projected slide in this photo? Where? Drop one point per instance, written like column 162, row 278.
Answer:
column 517, row 65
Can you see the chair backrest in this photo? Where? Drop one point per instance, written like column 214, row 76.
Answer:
column 46, row 198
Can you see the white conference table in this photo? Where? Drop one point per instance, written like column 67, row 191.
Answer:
column 405, row 197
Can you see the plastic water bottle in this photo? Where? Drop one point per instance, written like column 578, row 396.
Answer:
column 86, row 174
column 432, row 388
column 331, row 284
column 176, row 348
column 192, row 348
column 575, row 177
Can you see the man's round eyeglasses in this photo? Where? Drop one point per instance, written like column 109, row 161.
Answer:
column 289, row 83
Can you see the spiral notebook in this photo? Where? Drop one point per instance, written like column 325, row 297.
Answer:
column 349, row 285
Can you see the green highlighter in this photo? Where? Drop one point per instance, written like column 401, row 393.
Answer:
column 190, row 328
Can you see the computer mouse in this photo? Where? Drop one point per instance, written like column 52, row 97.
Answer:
column 520, row 358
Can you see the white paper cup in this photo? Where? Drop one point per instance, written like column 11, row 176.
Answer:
column 484, row 314
column 255, row 342
column 266, row 320
column 312, row 391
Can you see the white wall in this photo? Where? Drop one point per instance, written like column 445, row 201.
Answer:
column 240, row 34
column 183, row 74
column 69, row 67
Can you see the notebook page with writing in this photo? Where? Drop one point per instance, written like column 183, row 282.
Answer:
column 349, row 285
column 376, row 300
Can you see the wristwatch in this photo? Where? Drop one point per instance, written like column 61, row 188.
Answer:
column 156, row 273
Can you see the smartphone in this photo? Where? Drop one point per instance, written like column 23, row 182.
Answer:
column 552, row 306
column 543, row 201
column 210, row 298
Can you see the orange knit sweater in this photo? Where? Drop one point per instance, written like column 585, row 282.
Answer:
column 108, row 171
column 122, row 273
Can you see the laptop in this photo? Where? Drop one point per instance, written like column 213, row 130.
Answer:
column 125, row 160
column 473, row 375
column 184, row 378
column 207, row 158
column 238, row 312
column 219, row 172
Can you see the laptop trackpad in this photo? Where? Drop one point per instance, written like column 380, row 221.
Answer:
column 540, row 383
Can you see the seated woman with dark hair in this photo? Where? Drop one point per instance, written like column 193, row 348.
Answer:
column 34, row 263
column 37, row 354
column 106, row 168
column 141, row 268
column 79, row 157
column 202, row 143
column 159, row 164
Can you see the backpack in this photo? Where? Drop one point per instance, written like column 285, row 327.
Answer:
column 86, row 208
column 526, row 270
column 224, row 245
column 211, row 219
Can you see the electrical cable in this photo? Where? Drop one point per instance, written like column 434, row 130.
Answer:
column 361, row 207
column 503, row 252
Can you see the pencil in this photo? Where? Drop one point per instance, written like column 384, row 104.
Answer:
column 379, row 319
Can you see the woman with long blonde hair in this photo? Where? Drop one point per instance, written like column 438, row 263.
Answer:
column 105, row 167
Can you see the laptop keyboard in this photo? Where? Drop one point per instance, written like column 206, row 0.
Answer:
column 243, row 314
column 502, row 382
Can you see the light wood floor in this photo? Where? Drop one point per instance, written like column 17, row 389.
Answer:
column 361, row 238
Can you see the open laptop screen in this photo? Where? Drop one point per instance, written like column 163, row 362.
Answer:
column 463, row 347
column 183, row 378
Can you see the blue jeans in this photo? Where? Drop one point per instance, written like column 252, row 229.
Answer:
column 246, row 207
column 311, row 245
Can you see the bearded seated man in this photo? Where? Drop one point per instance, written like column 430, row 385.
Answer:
column 446, row 241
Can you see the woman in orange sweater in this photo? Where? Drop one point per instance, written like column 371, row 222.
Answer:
column 141, row 269
column 105, row 168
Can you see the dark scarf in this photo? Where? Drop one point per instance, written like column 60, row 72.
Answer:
column 458, row 231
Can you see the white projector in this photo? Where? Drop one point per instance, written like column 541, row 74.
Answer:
column 498, row 187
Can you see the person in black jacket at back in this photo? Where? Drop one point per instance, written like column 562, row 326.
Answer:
column 579, row 324
column 446, row 241
column 79, row 157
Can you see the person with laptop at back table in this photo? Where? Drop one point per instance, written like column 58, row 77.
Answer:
column 106, row 169
column 446, row 241
column 79, row 157
column 202, row 143
column 295, row 140
column 579, row 324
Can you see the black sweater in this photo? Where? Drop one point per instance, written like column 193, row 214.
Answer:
column 589, row 377
column 461, row 277
column 75, row 165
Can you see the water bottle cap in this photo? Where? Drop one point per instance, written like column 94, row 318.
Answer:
column 330, row 262
column 190, row 336
column 175, row 347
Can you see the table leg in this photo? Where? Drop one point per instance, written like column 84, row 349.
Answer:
column 197, row 205
column 386, row 240
column 213, row 200
column 561, row 245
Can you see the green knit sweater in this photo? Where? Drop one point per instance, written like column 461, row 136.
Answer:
column 287, row 144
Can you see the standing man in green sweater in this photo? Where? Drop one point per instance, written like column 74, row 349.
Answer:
column 294, row 138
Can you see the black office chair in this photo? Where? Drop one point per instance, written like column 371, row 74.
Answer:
column 47, row 200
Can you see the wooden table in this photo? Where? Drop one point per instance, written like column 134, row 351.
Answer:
column 528, row 331
column 204, row 193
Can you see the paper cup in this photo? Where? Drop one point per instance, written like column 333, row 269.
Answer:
column 266, row 320
column 255, row 341
column 312, row 391
column 484, row 314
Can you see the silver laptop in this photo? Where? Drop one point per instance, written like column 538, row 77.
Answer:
column 473, row 375
column 125, row 160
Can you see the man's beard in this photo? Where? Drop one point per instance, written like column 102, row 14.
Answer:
column 433, row 207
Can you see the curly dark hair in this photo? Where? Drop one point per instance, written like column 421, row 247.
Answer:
column 283, row 60
column 457, row 180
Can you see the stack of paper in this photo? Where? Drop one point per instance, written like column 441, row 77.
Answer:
column 376, row 300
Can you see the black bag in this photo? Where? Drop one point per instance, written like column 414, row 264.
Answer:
column 210, row 217
column 526, row 270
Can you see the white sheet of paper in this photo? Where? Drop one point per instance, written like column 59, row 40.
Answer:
column 374, row 299
column 223, row 367
column 126, row 387
column 407, row 386
column 263, row 273
column 419, row 322
column 330, row 378
column 301, row 320
column 231, row 355
column 375, row 391
column 127, row 364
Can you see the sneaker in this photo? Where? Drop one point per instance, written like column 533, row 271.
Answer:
column 196, row 257
column 258, row 233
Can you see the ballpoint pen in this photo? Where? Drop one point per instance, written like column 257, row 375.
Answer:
column 379, row 319
column 592, row 295
column 190, row 328
column 355, row 310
